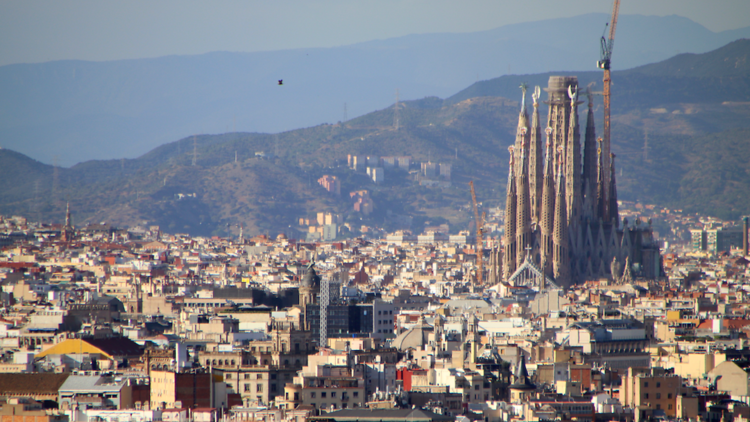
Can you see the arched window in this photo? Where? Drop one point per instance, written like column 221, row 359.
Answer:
column 298, row 363
column 286, row 362
column 232, row 361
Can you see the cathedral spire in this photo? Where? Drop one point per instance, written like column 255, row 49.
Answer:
column 548, row 209
column 573, row 162
column 590, row 160
column 523, row 217
column 536, row 160
column 522, row 132
column 561, row 263
column 509, row 247
column 68, row 222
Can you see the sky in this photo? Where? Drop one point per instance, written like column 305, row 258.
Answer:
column 33, row 31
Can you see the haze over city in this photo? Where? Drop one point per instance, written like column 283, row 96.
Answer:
column 344, row 211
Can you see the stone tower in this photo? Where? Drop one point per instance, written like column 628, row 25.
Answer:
column 536, row 161
column 509, row 247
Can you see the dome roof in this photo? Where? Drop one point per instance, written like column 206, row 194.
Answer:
column 413, row 338
column 311, row 278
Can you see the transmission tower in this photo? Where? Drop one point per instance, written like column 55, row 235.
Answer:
column 395, row 112
column 325, row 297
column 55, row 181
column 345, row 115
column 195, row 151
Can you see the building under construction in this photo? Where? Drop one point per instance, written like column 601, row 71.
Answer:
column 562, row 223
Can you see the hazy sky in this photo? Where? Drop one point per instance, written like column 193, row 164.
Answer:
column 37, row 31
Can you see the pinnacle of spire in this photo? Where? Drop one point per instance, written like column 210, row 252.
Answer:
column 536, row 160
column 509, row 249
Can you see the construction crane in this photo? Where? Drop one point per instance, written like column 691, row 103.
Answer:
column 480, row 242
column 607, row 44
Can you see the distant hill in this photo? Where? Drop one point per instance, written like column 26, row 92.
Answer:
column 74, row 111
column 680, row 142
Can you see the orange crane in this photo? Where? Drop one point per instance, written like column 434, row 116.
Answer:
column 607, row 44
column 480, row 242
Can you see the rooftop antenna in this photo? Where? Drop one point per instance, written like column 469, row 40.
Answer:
column 395, row 112
column 195, row 151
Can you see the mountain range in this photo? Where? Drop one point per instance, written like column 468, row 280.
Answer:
column 66, row 112
column 680, row 132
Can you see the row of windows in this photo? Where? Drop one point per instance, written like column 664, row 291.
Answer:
column 333, row 405
column 658, row 396
column 333, row 394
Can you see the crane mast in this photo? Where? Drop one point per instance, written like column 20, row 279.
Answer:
column 480, row 242
column 607, row 44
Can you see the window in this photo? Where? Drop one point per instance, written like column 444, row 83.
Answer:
column 476, row 387
column 658, row 384
column 229, row 376
column 312, row 395
column 669, row 396
column 247, row 387
column 658, row 396
column 247, row 376
column 333, row 394
column 658, row 406
column 273, row 376
column 356, row 394
column 669, row 407
column 273, row 388
column 645, row 396
column 259, row 388
column 645, row 384
column 259, row 377
column 323, row 395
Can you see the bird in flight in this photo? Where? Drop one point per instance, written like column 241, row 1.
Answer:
column 281, row 82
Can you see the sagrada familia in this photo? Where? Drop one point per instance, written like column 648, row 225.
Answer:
column 562, row 222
